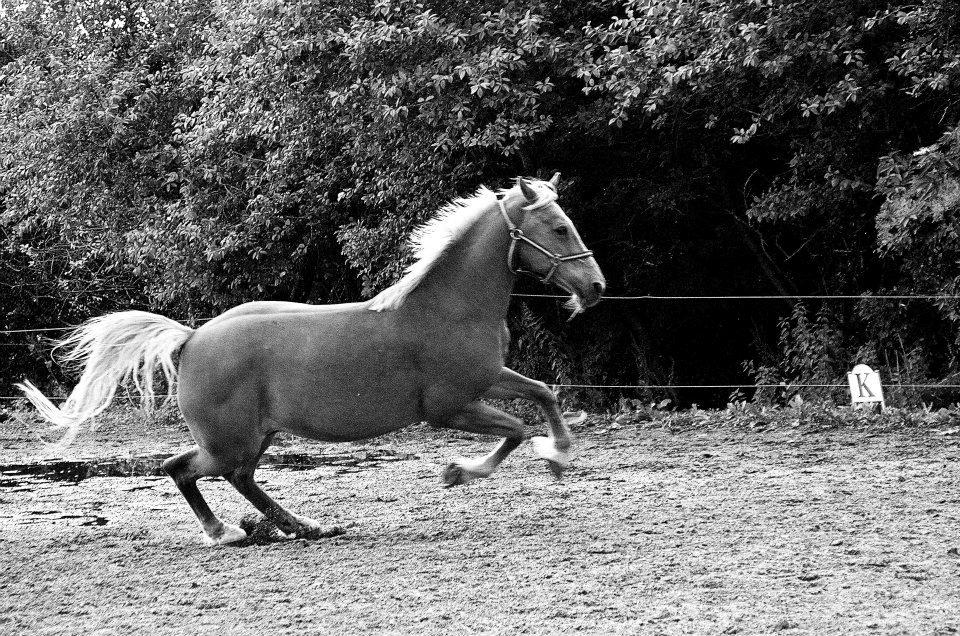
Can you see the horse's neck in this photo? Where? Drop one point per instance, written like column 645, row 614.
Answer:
column 471, row 279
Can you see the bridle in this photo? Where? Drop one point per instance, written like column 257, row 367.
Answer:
column 517, row 235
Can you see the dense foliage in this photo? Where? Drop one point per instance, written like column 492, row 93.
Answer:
column 187, row 155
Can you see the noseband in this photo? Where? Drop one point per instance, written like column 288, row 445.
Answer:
column 517, row 235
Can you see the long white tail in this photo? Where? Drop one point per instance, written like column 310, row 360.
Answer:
column 115, row 349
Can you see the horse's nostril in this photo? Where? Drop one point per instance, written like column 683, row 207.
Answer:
column 599, row 287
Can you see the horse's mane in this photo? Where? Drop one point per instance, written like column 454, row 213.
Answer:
column 447, row 226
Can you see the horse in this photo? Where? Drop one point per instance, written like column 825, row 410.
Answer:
column 427, row 349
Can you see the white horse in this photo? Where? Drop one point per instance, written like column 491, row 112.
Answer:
column 426, row 349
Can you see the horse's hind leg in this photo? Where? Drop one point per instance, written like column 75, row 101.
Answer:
column 286, row 521
column 185, row 469
column 478, row 417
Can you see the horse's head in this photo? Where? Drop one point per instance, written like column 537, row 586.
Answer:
column 548, row 246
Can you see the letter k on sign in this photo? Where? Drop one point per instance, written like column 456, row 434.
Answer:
column 865, row 385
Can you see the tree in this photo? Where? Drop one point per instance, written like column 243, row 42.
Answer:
column 185, row 156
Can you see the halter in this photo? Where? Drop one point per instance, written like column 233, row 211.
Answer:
column 517, row 235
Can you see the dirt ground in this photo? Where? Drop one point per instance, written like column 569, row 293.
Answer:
column 711, row 529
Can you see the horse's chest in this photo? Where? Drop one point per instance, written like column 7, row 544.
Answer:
column 465, row 352
column 457, row 371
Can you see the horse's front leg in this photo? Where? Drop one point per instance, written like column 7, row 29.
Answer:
column 484, row 419
column 555, row 448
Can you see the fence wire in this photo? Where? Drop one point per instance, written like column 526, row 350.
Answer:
column 648, row 297
column 787, row 387
column 894, row 297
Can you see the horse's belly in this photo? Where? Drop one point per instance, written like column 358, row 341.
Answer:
column 347, row 403
column 324, row 430
column 345, row 419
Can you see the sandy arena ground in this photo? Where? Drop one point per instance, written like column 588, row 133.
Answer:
column 713, row 529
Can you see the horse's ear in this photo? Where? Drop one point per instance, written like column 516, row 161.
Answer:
column 528, row 192
column 555, row 180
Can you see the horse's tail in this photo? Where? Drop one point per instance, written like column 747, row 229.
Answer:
column 115, row 349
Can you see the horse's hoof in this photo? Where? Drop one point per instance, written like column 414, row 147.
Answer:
column 545, row 448
column 229, row 533
column 455, row 475
column 557, row 460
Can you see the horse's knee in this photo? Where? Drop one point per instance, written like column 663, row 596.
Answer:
column 547, row 398
column 545, row 391
column 513, row 428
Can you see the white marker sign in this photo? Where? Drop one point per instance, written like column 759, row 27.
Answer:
column 865, row 385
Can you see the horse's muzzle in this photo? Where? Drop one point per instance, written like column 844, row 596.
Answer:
column 595, row 295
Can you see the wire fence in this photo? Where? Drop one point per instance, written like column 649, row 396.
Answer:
column 128, row 398
column 785, row 386
column 736, row 386
column 646, row 297
column 768, row 297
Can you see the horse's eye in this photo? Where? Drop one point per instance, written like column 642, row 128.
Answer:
column 561, row 231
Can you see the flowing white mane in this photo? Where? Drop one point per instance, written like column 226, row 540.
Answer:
column 446, row 227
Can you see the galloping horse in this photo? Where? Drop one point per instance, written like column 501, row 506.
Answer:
column 426, row 349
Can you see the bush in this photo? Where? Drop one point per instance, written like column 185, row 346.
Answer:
column 184, row 156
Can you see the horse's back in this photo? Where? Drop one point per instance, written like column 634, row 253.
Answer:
column 269, row 307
